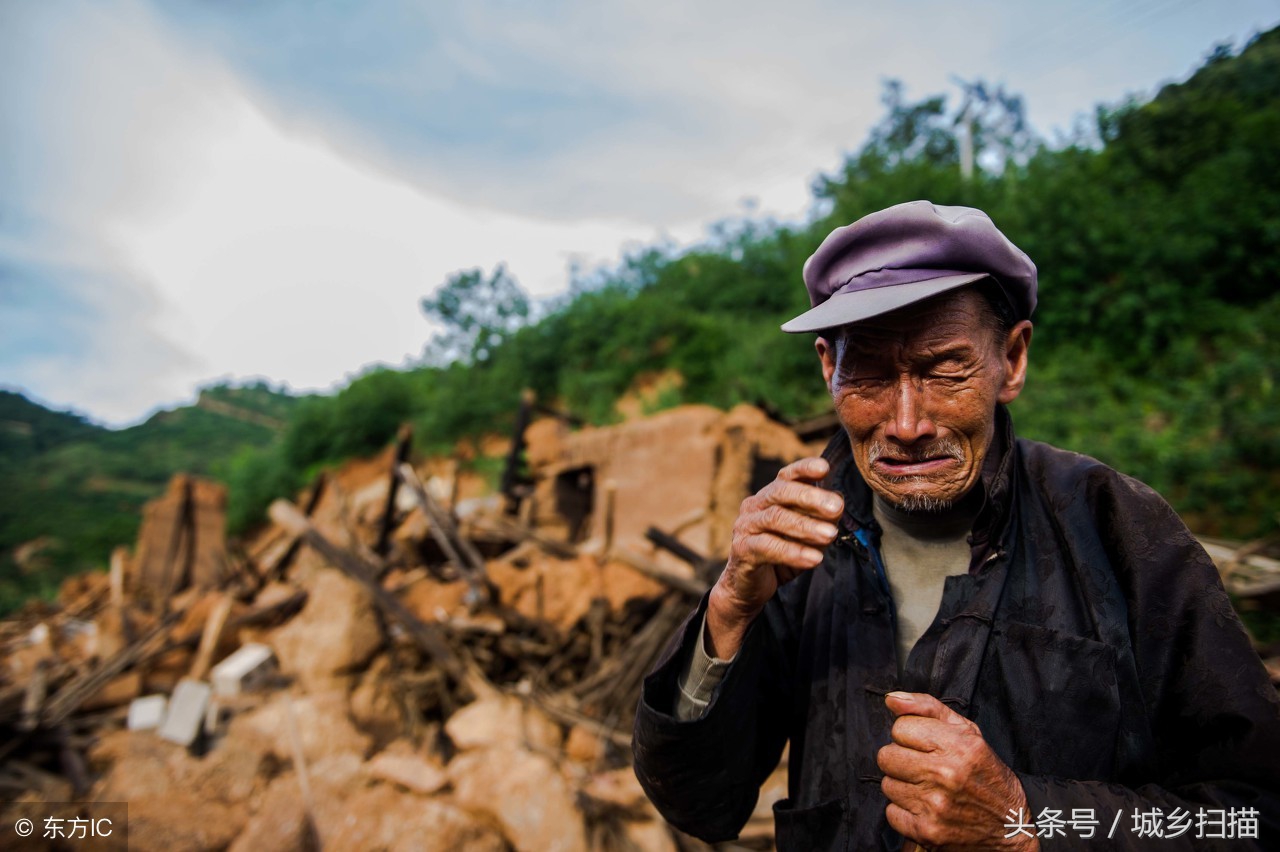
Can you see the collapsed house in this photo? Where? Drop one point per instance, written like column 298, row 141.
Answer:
column 405, row 658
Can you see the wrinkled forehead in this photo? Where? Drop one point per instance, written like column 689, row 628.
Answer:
column 950, row 319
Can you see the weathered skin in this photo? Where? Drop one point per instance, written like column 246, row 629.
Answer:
column 916, row 391
column 946, row 788
column 779, row 532
column 918, row 388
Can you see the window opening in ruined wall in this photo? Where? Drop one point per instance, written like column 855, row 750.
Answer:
column 575, row 500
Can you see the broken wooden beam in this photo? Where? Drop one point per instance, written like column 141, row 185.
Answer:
column 514, row 484
column 210, row 637
column 33, row 698
column 455, row 546
column 518, row 531
column 676, row 548
column 651, row 569
column 275, row 570
column 404, row 441
column 428, row 637
column 73, row 693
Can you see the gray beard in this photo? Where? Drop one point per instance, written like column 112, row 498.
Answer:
column 921, row 503
column 918, row 502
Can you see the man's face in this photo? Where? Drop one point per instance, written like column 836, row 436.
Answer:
column 916, row 391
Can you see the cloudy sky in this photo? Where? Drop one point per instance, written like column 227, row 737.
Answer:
column 192, row 191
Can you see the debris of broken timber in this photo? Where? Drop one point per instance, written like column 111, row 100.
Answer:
column 404, row 441
column 1250, row 577
column 515, row 487
column 653, row 570
column 429, row 638
column 518, row 531
column 615, row 687
column 677, row 548
column 275, row 570
column 457, row 549
column 74, row 693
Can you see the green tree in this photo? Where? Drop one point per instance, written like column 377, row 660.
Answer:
column 477, row 315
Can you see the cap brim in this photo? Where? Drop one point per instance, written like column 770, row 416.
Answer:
column 844, row 308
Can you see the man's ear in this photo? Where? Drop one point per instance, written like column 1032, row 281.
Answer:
column 1016, row 346
column 826, row 354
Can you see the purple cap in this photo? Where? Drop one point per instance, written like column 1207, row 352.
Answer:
column 907, row 253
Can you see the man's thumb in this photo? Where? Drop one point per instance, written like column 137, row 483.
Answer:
column 920, row 704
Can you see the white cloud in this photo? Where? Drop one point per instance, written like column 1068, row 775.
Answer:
column 215, row 243
column 244, row 203
column 289, row 260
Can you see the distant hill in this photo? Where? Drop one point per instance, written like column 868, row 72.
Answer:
column 28, row 428
column 73, row 490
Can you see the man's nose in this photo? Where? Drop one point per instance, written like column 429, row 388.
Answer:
column 910, row 421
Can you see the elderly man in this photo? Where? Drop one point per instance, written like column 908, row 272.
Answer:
column 971, row 641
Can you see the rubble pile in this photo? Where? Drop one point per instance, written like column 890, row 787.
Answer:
column 402, row 659
column 405, row 658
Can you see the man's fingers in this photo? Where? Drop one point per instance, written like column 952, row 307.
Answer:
column 919, row 733
column 902, row 763
column 770, row 549
column 808, row 499
column 922, row 704
column 788, row 523
column 901, row 793
column 902, row 820
column 809, row 469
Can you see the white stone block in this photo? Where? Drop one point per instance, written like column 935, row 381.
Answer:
column 186, row 712
column 146, row 713
column 241, row 670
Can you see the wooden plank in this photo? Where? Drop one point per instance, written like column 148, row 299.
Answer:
column 677, row 548
column 404, row 441
column 651, row 569
column 518, row 531
column 610, row 501
column 33, row 698
column 457, row 549
column 118, row 558
column 73, row 693
column 429, row 638
column 513, row 485
column 209, row 639
column 276, row 569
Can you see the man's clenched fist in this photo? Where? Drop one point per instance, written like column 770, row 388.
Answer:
column 946, row 788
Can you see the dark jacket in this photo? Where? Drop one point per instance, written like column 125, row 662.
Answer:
column 1091, row 641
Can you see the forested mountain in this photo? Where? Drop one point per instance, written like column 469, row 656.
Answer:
column 73, row 490
column 28, row 428
column 1157, row 338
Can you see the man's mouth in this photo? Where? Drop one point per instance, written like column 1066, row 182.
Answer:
column 896, row 462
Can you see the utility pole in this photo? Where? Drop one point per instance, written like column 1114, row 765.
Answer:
column 975, row 97
column 966, row 140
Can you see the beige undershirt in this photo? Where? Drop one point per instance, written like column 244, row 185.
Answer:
column 919, row 551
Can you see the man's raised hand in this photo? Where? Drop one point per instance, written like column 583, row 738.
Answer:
column 781, row 531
